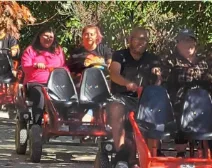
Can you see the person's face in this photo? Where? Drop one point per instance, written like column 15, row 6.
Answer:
column 187, row 47
column 46, row 39
column 89, row 37
column 138, row 42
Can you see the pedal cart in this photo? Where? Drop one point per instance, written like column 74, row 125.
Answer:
column 195, row 127
column 64, row 110
column 155, row 120
column 8, row 82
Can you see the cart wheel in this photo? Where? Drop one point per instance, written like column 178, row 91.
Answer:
column 21, row 137
column 35, row 143
column 102, row 160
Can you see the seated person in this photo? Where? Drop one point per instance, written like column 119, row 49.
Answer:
column 126, row 72
column 44, row 52
column 91, row 51
column 8, row 42
column 186, row 67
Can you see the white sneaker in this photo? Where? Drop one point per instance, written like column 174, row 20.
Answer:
column 121, row 164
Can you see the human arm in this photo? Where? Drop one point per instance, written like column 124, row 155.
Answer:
column 115, row 73
column 156, row 69
column 26, row 60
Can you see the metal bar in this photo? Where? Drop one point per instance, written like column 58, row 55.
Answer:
column 72, row 144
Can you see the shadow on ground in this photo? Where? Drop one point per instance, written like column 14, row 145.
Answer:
column 53, row 155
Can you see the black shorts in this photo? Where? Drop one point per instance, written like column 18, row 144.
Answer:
column 130, row 102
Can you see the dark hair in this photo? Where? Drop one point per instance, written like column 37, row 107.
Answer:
column 36, row 41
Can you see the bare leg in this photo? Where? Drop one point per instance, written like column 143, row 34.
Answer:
column 117, row 116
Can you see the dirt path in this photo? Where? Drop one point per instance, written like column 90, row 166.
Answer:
column 53, row 156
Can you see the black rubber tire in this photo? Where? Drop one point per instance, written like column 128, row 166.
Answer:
column 20, row 148
column 102, row 160
column 35, row 143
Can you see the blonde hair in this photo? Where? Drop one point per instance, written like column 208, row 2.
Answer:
column 99, row 35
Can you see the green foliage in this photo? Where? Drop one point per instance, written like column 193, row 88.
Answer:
column 116, row 19
column 194, row 15
column 116, row 26
column 45, row 13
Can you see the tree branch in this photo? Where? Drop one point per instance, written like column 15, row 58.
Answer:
column 35, row 24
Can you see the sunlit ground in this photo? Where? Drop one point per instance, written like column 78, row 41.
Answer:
column 53, row 155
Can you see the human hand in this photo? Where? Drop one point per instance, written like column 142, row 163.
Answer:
column 132, row 87
column 156, row 71
column 197, row 73
column 190, row 71
column 40, row 65
column 14, row 72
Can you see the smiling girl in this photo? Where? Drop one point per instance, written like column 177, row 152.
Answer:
column 44, row 52
column 92, row 51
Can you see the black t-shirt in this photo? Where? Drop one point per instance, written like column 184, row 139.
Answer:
column 134, row 70
column 81, row 58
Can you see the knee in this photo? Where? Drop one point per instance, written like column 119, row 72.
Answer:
column 115, row 111
column 36, row 94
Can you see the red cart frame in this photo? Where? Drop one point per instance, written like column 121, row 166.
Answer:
column 146, row 160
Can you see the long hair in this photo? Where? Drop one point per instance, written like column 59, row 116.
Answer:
column 36, row 41
column 98, row 32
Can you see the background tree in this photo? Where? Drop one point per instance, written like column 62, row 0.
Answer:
column 116, row 19
column 14, row 16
